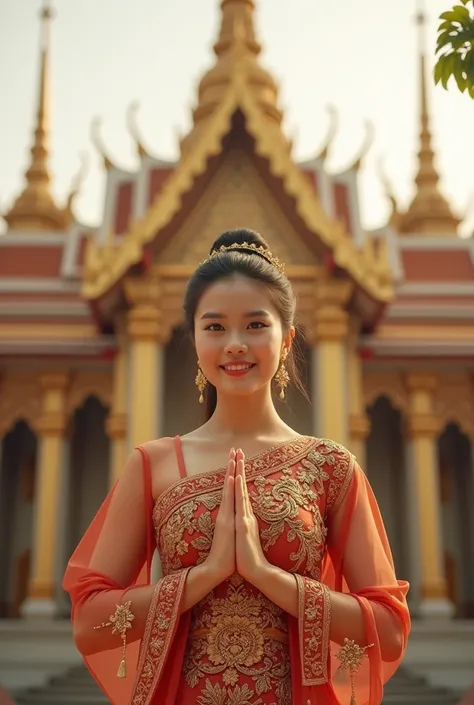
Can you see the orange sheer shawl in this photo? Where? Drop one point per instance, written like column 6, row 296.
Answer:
column 112, row 565
column 358, row 562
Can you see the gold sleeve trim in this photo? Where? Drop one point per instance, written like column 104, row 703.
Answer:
column 314, row 622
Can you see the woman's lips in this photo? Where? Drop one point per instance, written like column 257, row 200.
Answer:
column 237, row 369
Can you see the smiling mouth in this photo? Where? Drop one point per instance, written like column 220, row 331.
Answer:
column 237, row 368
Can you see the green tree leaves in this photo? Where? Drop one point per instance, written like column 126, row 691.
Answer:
column 455, row 47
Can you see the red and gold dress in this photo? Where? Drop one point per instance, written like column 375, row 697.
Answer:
column 318, row 520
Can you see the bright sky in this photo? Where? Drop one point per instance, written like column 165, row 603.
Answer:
column 359, row 55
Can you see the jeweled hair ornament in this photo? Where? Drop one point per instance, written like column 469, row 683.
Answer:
column 249, row 246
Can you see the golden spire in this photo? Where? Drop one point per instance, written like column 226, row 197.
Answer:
column 236, row 51
column 429, row 212
column 35, row 209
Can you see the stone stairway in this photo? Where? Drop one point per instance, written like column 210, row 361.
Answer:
column 76, row 687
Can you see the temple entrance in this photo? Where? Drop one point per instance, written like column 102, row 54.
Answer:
column 387, row 475
column 457, row 496
column 18, row 479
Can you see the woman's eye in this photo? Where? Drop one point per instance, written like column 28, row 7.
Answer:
column 257, row 324
column 215, row 326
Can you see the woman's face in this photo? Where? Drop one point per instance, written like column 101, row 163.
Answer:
column 238, row 335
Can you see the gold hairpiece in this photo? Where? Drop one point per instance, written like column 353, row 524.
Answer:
column 258, row 249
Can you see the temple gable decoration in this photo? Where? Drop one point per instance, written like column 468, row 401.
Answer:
column 235, row 86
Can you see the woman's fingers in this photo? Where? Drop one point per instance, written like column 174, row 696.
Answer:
column 239, row 498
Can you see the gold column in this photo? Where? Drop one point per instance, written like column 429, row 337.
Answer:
column 359, row 423
column 423, row 429
column 146, row 340
column 330, row 334
column 117, row 420
column 50, row 428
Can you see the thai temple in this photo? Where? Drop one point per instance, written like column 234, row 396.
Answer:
column 93, row 360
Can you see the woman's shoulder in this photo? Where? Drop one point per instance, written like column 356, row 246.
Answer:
column 159, row 450
column 330, row 449
column 337, row 464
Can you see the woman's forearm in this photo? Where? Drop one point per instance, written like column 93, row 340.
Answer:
column 347, row 621
column 91, row 637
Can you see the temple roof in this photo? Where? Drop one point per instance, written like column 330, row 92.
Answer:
column 237, row 84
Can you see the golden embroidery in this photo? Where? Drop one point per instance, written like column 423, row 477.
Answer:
column 267, row 462
column 235, row 641
column 217, row 695
column 242, row 634
column 314, row 621
column 121, row 622
column 351, row 656
column 279, row 503
column 342, row 462
column 237, row 651
column 160, row 627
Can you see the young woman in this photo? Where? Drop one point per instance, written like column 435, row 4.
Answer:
column 278, row 584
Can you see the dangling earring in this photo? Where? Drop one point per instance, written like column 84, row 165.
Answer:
column 200, row 383
column 282, row 377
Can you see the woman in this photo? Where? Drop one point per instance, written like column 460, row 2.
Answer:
column 278, row 586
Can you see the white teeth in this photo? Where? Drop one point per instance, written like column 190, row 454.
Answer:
column 236, row 368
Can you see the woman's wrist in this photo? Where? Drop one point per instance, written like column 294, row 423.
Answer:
column 209, row 574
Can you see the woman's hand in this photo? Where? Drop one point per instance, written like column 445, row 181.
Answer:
column 221, row 558
column 249, row 556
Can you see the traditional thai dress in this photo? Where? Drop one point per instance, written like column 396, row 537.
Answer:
column 318, row 520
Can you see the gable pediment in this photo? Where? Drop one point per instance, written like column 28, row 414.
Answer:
column 237, row 196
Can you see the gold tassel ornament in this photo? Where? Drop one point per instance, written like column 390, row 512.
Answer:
column 121, row 622
column 351, row 656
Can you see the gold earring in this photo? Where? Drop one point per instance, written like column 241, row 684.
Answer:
column 282, row 377
column 200, row 383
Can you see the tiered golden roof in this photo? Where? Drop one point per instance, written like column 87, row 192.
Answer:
column 237, row 83
column 236, row 51
column 429, row 212
column 35, row 208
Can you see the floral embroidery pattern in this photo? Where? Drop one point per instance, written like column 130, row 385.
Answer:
column 314, row 617
column 239, row 634
column 161, row 623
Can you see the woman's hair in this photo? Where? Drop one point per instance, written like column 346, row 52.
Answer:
column 250, row 264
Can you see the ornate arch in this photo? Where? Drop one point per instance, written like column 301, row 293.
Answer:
column 455, row 404
column 388, row 385
column 20, row 400
column 86, row 384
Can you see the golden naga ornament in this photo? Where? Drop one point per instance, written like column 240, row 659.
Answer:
column 248, row 246
column 121, row 622
column 351, row 656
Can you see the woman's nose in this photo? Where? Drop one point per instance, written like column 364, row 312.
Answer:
column 236, row 347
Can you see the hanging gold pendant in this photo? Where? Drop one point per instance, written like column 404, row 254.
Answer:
column 351, row 656
column 200, row 382
column 282, row 378
column 121, row 622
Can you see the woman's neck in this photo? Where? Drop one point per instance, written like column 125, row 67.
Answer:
column 245, row 416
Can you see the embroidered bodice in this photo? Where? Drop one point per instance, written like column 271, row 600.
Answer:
column 237, row 649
